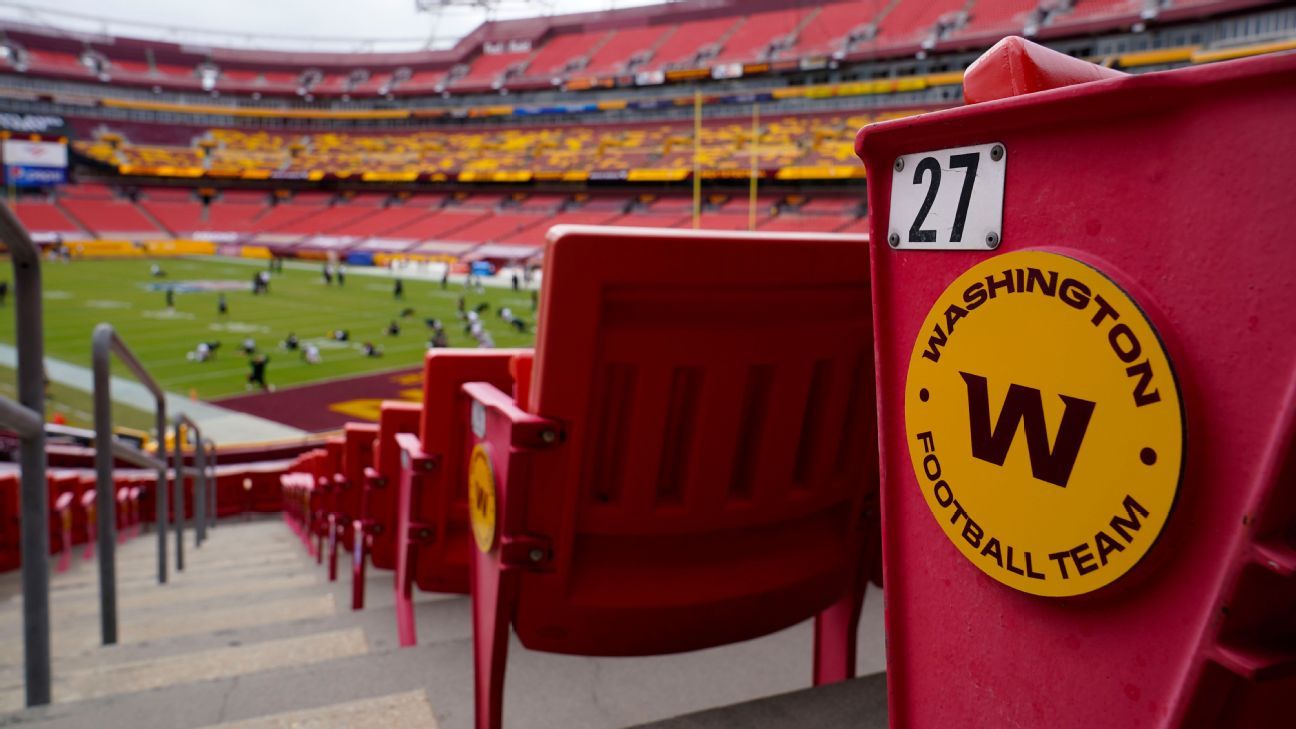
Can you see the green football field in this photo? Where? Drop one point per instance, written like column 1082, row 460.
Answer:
column 82, row 293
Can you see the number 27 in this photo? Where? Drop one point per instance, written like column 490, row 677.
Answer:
column 969, row 162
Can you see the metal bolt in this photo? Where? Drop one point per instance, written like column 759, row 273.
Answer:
column 548, row 436
column 535, row 555
column 899, row 164
column 429, row 465
column 992, row 240
column 424, row 533
column 996, row 152
column 894, row 240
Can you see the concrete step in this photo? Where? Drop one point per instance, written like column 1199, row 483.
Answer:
column 252, row 635
column 860, row 704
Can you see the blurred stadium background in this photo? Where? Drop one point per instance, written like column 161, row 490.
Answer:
column 443, row 159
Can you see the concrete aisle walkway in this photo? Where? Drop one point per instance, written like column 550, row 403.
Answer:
column 221, row 425
column 252, row 635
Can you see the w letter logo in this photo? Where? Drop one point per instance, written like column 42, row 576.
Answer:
column 1025, row 407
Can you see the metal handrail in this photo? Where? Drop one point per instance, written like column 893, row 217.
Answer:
column 134, row 456
column 200, row 486
column 105, row 343
column 25, row 257
column 26, row 423
column 212, row 514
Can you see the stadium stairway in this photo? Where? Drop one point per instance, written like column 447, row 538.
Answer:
column 251, row 634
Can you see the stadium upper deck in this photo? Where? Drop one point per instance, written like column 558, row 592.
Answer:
column 684, row 41
column 788, row 147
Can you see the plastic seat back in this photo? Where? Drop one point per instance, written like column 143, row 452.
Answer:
column 10, row 516
column 357, row 454
column 439, row 499
column 715, row 396
column 381, row 494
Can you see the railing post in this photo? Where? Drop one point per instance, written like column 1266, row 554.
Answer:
column 178, row 493
column 35, row 498
column 160, row 521
column 101, row 349
column 200, row 490
column 215, row 487
column 200, row 484
column 106, row 341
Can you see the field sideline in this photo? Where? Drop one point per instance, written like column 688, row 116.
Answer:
column 82, row 293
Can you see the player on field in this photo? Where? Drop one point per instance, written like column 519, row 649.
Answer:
column 257, row 376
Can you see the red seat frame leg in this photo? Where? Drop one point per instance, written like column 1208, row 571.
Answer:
column 494, row 594
column 359, row 541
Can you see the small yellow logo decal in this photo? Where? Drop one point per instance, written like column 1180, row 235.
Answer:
column 481, row 497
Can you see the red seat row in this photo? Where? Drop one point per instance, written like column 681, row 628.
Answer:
column 665, row 472
column 72, row 501
column 565, row 487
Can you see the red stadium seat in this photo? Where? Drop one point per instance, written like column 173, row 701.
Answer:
column 433, row 544
column 1164, row 580
column 375, row 530
column 10, row 521
column 297, row 487
column 357, row 455
column 87, row 510
column 676, row 479
column 333, row 480
column 123, row 511
column 62, row 487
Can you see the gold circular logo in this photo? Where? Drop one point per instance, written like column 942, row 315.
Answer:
column 1044, row 423
column 481, row 497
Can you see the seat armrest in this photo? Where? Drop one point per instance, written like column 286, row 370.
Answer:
column 412, row 455
column 514, row 442
column 525, row 429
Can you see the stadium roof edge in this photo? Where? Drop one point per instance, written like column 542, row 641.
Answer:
column 519, row 29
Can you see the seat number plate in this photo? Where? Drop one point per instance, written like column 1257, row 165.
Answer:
column 948, row 200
